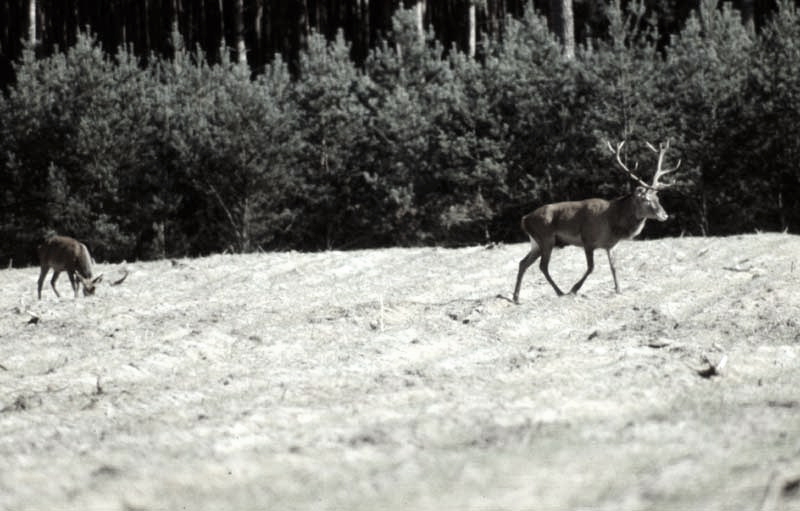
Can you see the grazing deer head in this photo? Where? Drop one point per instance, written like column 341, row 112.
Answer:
column 593, row 223
column 62, row 253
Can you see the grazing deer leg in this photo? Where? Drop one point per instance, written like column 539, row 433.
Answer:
column 524, row 264
column 42, row 275
column 73, row 281
column 53, row 282
column 589, row 268
column 613, row 271
column 543, row 264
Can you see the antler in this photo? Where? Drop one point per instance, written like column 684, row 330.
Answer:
column 662, row 150
column 625, row 167
column 120, row 281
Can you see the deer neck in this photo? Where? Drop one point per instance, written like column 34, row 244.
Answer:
column 625, row 220
column 84, row 263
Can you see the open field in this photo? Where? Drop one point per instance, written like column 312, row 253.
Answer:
column 398, row 379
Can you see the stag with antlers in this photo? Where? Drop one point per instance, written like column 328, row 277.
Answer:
column 62, row 253
column 593, row 223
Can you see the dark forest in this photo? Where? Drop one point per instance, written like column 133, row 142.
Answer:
column 166, row 128
column 269, row 27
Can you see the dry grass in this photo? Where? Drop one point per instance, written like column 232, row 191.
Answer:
column 397, row 379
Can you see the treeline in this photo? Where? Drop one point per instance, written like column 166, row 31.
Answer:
column 264, row 28
column 415, row 146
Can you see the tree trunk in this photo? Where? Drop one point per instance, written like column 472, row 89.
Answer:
column 176, row 13
column 32, row 22
column 222, row 44
column 472, row 31
column 748, row 11
column 420, row 14
column 365, row 28
column 562, row 22
column 257, row 24
column 245, row 243
column 241, row 49
column 148, row 47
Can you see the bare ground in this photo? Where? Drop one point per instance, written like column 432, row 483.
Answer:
column 399, row 379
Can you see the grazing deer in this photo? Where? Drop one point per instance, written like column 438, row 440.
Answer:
column 593, row 223
column 62, row 253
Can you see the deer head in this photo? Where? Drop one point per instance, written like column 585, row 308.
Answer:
column 89, row 285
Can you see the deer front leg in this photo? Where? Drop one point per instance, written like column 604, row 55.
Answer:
column 53, row 282
column 524, row 264
column 589, row 268
column 42, row 275
column 613, row 271
column 73, row 281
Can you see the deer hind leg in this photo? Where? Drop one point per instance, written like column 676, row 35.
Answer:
column 547, row 249
column 613, row 271
column 589, row 268
column 42, row 275
column 524, row 264
column 53, row 282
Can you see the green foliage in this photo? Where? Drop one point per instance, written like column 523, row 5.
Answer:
column 420, row 145
column 327, row 184
column 224, row 138
column 705, row 76
column 69, row 134
column 765, row 139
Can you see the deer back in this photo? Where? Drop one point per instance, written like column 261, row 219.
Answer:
column 570, row 223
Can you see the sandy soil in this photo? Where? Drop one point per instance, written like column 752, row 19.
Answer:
column 399, row 379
